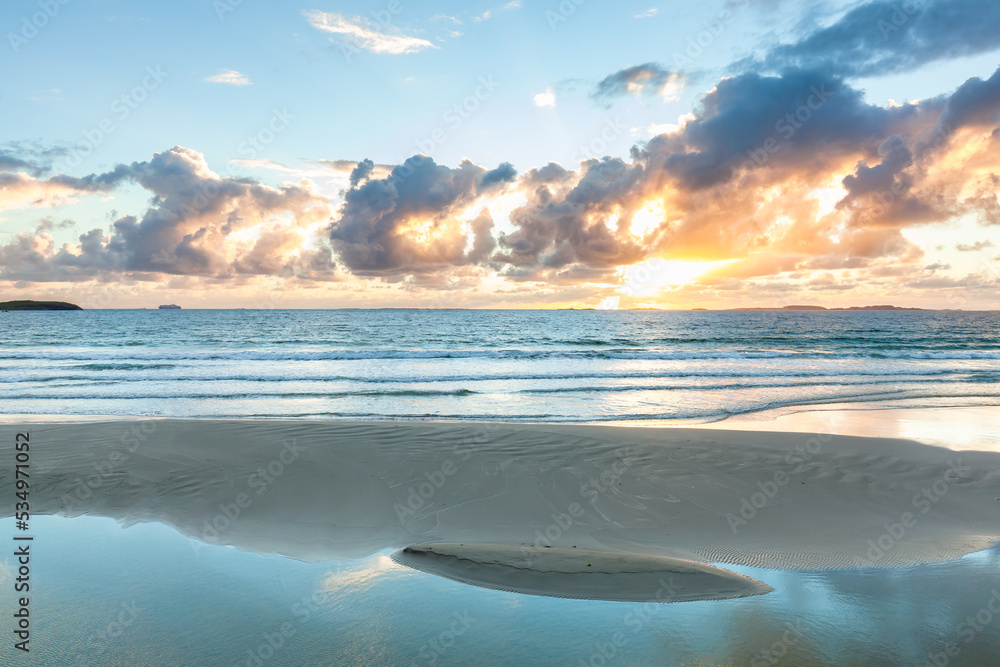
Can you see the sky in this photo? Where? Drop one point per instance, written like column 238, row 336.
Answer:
column 519, row 154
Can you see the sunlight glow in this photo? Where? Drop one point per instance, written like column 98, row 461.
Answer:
column 655, row 275
column 611, row 222
column 610, row 303
column 648, row 218
column 827, row 197
column 421, row 231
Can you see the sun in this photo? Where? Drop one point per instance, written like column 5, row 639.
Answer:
column 648, row 218
column 655, row 275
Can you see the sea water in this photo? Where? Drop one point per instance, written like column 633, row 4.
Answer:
column 147, row 596
column 567, row 366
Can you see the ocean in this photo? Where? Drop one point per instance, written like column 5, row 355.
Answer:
column 565, row 366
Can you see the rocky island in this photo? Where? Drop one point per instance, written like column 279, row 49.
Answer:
column 38, row 305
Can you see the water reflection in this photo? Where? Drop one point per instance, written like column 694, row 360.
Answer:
column 146, row 595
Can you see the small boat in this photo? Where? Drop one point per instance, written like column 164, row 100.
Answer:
column 170, row 306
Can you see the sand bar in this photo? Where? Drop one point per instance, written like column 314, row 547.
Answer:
column 332, row 490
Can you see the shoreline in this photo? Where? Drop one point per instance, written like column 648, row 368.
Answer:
column 957, row 427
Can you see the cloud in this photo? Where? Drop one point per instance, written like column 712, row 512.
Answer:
column 887, row 37
column 361, row 172
column 649, row 13
column 648, row 80
column 545, row 99
column 199, row 224
column 488, row 14
column 738, row 180
column 975, row 247
column 21, row 190
column 735, row 181
column 407, row 222
column 27, row 156
column 791, row 182
column 564, row 222
column 356, row 30
column 11, row 161
column 230, row 77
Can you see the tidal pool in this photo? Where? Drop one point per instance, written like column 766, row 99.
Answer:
column 104, row 594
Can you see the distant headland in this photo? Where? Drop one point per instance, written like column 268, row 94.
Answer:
column 38, row 305
column 796, row 308
column 822, row 308
column 169, row 306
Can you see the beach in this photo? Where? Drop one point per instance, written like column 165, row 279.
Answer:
column 541, row 334
column 580, row 513
column 317, row 490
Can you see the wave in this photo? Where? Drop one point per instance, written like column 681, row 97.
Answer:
column 704, row 415
column 132, row 395
column 374, row 355
column 889, row 375
column 123, row 367
column 877, row 388
column 742, row 385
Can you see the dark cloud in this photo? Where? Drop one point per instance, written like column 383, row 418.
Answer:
column 891, row 191
column 891, row 36
column 797, row 120
column 29, row 157
column 562, row 228
column 361, row 172
column 9, row 161
column 975, row 103
column 650, row 79
column 406, row 222
column 505, row 173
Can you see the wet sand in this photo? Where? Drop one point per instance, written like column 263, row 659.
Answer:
column 327, row 490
